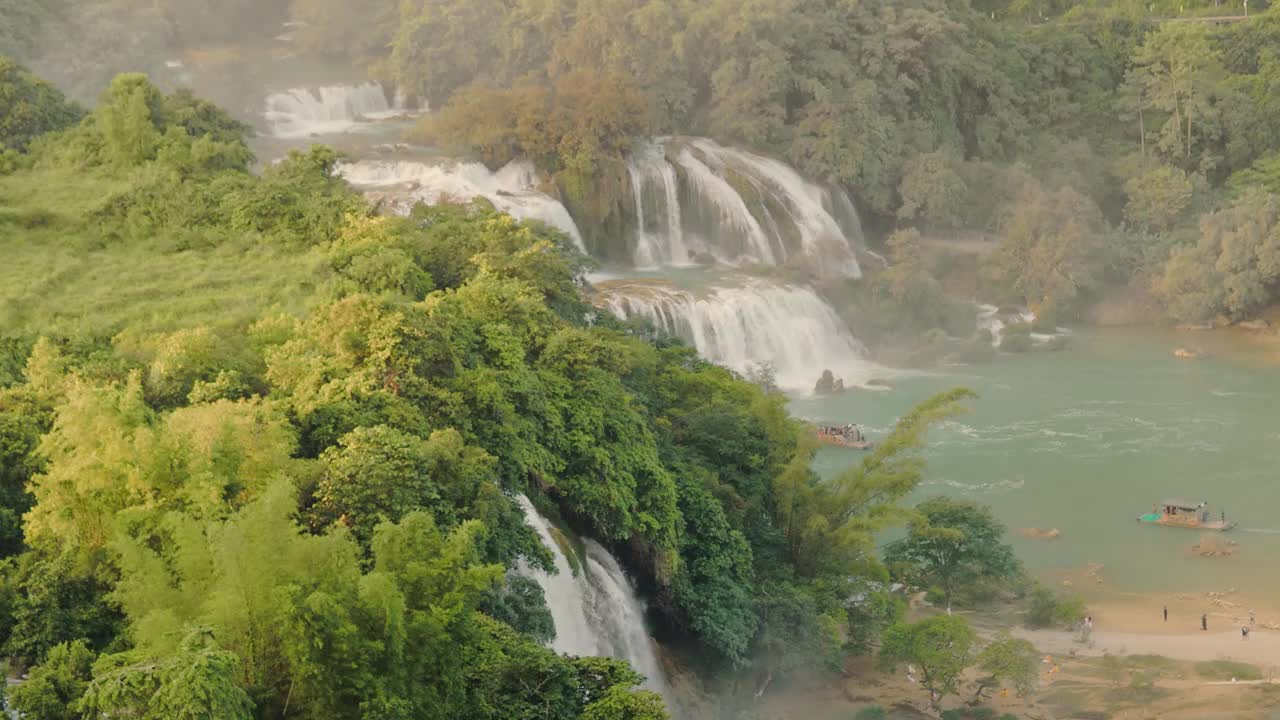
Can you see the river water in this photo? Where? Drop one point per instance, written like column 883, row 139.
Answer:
column 1086, row 439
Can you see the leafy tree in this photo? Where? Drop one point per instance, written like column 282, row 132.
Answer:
column 1009, row 659
column 1049, row 251
column 520, row 603
column 199, row 681
column 108, row 454
column 55, row 687
column 333, row 27
column 1158, row 197
column 941, row 646
column 910, row 284
column 829, row 525
column 1176, row 71
column 376, row 474
column 955, row 544
column 932, row 191
column 131, row 117
column 1234, row 267
column 24, row 416
column 623, row 704
column 30, row 107
column 55, row 602
column 1047, row 608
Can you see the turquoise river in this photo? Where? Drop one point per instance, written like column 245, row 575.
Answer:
column 1086, row 439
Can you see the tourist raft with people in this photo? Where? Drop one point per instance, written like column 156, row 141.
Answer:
column 1187, row 514
column 848, row 436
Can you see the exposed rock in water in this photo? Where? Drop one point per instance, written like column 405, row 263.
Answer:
column 1186, row 354
column 1040, row 533
column 1214, row 546
column 829, row 384
column 1259, row 325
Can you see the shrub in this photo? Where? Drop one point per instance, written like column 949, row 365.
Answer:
column 1046, row 608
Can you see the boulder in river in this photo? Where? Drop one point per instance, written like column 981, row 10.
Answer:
column 1186, row 354
column 829, row 384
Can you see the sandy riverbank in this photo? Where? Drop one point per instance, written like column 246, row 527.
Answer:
column 1261, row 649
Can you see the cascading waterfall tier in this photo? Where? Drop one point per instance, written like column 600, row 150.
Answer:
column 596, row 611
column 333, row 109
column 512, row 189
column 747, row 325
column 694, row 197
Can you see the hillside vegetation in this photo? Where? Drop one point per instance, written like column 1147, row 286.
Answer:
column 260, row 446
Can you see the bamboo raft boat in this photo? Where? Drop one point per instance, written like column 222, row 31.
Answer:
column 1185, row 514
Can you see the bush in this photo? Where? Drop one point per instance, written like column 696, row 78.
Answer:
column 1046, row 608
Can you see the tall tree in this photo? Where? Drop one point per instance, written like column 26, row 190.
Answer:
column 941, row 646
column 955, row 543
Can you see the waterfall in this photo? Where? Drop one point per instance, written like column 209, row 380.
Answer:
column 694, row 195
column 596, row 611
column 302, row 112
column 657, row 246
column 747, row 325
column 511, row 189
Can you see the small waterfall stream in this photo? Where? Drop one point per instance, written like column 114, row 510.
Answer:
column 512, row 189
column 694, row 195
column 332, row 109
column 596, row 611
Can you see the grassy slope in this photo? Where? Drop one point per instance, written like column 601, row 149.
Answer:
column 56, row 278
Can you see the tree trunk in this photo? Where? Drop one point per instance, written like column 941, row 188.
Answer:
column 1142, row 131
column 765, row 685
column 1188, row 131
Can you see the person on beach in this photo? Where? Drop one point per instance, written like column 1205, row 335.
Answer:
column 1204, row 622
column 1244, row 632
column 1252, row 620
column 1166, row 613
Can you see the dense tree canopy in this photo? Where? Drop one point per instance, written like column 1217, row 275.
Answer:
column 954, row 544
column 306, row 507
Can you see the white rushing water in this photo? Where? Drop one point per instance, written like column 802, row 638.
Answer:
column 512, row 189
column 328, row 110
column 990, row 319
column 596, row 612
column 749, row 324
column 694, row 196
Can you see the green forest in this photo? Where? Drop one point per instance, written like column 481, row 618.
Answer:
column 261, row 445
column 1104, row 143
